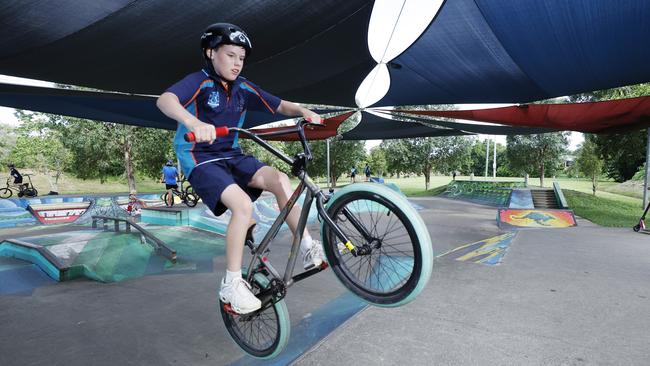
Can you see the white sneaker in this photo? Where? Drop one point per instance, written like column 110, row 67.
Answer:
column 238, row 294
column 314, row 257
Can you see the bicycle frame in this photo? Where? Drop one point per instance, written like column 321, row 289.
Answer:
column 180, row 191
column 16, row 186
column 313, row 192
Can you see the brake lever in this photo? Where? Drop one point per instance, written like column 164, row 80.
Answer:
column 303, row 123
column 314, row 124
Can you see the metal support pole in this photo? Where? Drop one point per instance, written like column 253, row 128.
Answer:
column 647, row 162
column 487, row 156
column 329, row 181
column 494, row 162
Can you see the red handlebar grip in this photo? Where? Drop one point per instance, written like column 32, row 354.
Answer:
column 189, row 137
column 221, row 131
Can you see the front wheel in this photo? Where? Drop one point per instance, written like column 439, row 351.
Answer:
column 265, row 332
column 396, row 256
column 5, row 193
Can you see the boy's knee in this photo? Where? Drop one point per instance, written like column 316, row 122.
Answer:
column 278, row 182
column 244, row 208
column 283, row 178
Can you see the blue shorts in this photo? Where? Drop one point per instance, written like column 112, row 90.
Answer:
column 209, row 180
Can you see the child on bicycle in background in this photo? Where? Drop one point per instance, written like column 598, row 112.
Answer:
column 18, row 178
column 169, row 176
column 218, row 170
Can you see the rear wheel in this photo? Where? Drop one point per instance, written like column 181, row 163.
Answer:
column 191, row 199
column 264, row 333
column 5, row 193
column 395, row 255
column 165, row 198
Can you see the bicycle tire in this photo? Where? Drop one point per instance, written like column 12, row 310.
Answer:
column 191, row 199
column 5, row 193
column 264, row 335
column 398, row 267
column 164, row 199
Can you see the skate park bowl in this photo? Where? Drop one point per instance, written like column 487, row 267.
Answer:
column 121, row 284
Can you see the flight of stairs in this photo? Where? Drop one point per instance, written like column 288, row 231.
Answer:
column 544, row 198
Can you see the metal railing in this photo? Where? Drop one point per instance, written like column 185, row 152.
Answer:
column 159, row 246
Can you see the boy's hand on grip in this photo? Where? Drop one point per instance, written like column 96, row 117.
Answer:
column 201, row 132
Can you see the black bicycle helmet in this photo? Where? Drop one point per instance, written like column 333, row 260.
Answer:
column 225, row 33
column 169, row 163
column 222, row 33
column 11, row 165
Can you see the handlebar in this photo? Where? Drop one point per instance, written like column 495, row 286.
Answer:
column 221, row 132
column 299, row 128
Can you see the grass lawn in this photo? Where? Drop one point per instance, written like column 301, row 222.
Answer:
column 71, row 185
column 603, row 210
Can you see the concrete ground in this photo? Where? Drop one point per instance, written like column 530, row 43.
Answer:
column 577, row 296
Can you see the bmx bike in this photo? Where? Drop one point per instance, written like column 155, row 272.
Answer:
column 186, row 195
column 22, row 189
column 374, row 240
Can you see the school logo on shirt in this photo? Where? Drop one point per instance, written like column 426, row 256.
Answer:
column 213, row 100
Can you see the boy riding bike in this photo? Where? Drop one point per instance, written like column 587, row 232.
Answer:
column 218, row 170
column 18, row 178
column 169, row 176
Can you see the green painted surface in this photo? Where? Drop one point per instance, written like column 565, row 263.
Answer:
column 488, row 193
column 107, row 256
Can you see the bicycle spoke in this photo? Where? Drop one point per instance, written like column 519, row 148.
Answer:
column 389, row 264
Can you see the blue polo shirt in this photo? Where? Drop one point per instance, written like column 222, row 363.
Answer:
column 212, row 103
column 170, row 174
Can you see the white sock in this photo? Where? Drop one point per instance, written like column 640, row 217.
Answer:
column 230, row 276
column 305, row 244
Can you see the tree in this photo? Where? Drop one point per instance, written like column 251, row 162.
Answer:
column 151, row 148
column 538, row 154
column 344, row 154
column 7, row 142
column 590, row 163
column 396, row 153
column 622, row 153
column 442, row 153
column 103, row 149
column 477, row 159
column 38, row 146
column 377, row 161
